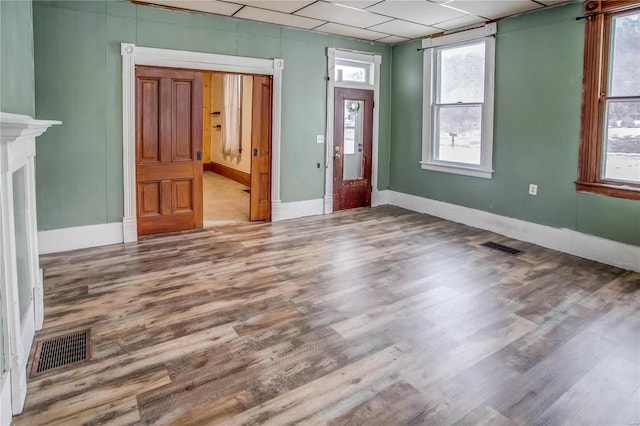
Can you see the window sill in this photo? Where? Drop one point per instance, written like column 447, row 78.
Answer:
column 459, row 170
column 620, row 191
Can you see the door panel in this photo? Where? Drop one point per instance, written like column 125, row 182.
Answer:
column 168, row 139
column 181, row 138
column 181, row 192
column 260, row 208
column 149, row 199
column 353, row 144
column 149, row 148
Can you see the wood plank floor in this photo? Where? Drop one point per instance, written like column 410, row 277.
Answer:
column 372, row 316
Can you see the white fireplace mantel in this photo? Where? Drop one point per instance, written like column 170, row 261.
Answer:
column 17, row 152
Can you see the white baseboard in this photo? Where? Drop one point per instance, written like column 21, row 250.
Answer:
column 379, row 198
column 78, row 237
column 130, row 229
column 296, row 209
column 614, row 253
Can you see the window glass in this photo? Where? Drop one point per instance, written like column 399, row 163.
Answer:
column 459, row 133
column 625, row 56
column 622, row 141
column 348, row 73
column 622, row 124
column 461, row 71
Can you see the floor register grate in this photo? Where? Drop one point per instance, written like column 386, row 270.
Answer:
column 500, row 247
column 61, row 351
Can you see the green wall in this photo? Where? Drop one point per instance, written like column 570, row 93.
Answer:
column 16, row 57
column 536, row 132
column 78, row 81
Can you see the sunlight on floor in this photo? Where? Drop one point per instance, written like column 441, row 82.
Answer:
column 225, row 201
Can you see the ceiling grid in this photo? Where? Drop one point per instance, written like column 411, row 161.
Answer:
column 384, row 21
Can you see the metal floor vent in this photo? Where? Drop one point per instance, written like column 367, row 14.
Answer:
column 61, row 351
column 502, row 248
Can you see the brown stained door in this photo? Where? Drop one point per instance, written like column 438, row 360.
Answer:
column 260, row 194
column 168, row 150
column 352, row 137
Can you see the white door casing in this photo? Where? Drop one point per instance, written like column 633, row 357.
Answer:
column 133, row 55
column 367, row 57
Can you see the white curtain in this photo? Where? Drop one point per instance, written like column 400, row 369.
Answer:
column 231, row 115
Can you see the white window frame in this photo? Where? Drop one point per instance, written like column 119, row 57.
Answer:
column 431, row 47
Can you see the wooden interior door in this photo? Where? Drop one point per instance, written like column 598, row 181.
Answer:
column 168, row 150
column 353, row 144
column 260, row 194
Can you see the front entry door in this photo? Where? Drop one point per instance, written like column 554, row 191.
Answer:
column 168, row 150
column 352, row 137
column 260, row 194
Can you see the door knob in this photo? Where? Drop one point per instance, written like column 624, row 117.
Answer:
column 336, row 156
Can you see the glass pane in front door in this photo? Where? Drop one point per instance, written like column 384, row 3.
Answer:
column 353, row 139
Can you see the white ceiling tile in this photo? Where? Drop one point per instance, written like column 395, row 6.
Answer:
column 419, row 11
column 405, row 29
column 358, row 4
column 212, row 6
column 494, row 9
column 392, row 40
column 346, row 31
column 461, row 22
column 285, row 6
column 277, row 18
column 552, row 2
column 341, row 15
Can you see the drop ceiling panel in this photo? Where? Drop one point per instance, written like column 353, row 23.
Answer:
column 552, row 2
column 358, row 4
column 341, row 15
column 346, row 31
column 461, row 22
column 392, row 40
column 405, row 29
column 284, row 6
column 277, row 18
column 418, row 11
column 211, row 6
column 494, row 9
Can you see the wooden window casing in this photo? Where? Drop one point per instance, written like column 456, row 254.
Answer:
column 600, row 14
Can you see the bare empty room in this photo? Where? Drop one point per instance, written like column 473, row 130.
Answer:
column 370, row 212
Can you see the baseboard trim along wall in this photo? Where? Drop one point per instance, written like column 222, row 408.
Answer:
column 614, row 253
column 296, row 209
column 79, row 237
column 231, row 173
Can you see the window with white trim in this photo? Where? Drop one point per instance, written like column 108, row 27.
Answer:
column 457, row 130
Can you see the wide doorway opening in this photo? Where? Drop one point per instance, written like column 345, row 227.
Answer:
column 203, row 148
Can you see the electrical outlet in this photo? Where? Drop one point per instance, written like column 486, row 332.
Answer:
column 533, row 189
column 320, row 139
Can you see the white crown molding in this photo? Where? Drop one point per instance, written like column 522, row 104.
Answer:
column 614, row 253
column 133, row 55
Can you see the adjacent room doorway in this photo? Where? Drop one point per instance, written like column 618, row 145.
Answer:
column 352, row 145
column 177, row 181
